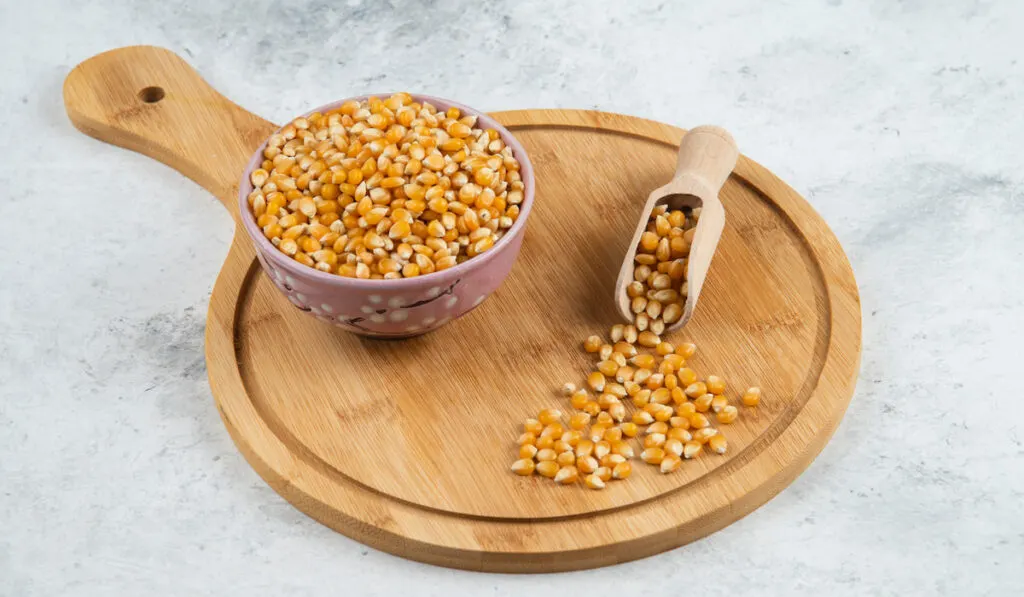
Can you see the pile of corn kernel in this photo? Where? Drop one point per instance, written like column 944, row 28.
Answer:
column 670, row 415
column 658, row 290
column 384, row 189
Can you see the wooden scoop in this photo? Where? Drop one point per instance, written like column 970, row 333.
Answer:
column 707, row 155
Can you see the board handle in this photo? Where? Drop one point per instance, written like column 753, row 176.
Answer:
column 707, row 155
column 149, row 100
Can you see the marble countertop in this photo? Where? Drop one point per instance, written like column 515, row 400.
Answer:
column 898, row 120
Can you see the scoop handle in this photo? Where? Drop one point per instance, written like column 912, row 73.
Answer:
column 707, row 155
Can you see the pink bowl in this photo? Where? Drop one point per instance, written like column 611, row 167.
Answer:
column 393, row 308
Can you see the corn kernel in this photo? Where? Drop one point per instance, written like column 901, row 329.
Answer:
column 587, row 464
column 703, row 403
column 549, row 416
column 547, row 468
column 527, row 451
column 715, row 384
column 718, row 444
column 622, row 470
column 691, row 449
column 523, row 467
column 653, row 455
column 591, row 344
column 752, row 397
column 679, row 433
column 594, row 482
column 727, row 415
column 629, row 429
column 604, row 473
column 695, row 390
column 669, row 463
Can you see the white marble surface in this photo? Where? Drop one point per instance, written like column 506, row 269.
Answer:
column 899, row 120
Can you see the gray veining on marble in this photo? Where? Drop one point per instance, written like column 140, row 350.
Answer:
column 899, row 120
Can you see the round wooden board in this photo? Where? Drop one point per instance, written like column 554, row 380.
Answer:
column 405, row 445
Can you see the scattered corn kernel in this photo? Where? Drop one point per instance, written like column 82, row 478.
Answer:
column 752, row 397
column 523, row 467
column 547, row 468
column 566, row 475
column 594, row 482
column 727, row 415
column 669, row 463
column 718, row 444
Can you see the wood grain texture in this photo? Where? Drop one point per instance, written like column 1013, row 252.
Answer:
column 405, row 445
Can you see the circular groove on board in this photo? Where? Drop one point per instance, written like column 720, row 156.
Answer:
column 496, row 543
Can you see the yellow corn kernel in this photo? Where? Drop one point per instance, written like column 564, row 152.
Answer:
column 604, row 419
column 523, row 467
column 675, row 361
column 653, row 455
column 616, row 332
column 641, row 398
column 703, row 435
column 615, row 389
column 629, row 429
column 678, row 395
column 592, row 408
column 664, row 348
column 622, row 448
column 657, row 427
column 572, row 437
column 565, row 459
column 612, row 435
column 697, row 389
column 594, row 482
column 686, row 350
column 663, row 414
column 648, row 242
column 561, row 446
column 752, row 397
column 671, row 381
column 624, row 374
column 625, row 349
column 604, row 473
column 547, row 468
column 579, row 420
column 546, row 454
column 554, row 430
column 617, row 412
column 679, row 433
column 677, row 422
column 641, row 417
column 584, row 448
column 698, row 421
column 691, row 449
column 671, row 313
column 596, row 381
column 579, row 398
column 642, row 375
column 533, row 426
column 545, row 442
column 605, row 352
column 549, row 416
column 610, row 460
column 527, row 451
column 670, row 463
column 601, row 448
column 527, row 438
column 686, row 376
column 719, row 402
column 703, row 403
column 630, row 334
column 661, row 396
column 716, row 385
column 607, row 368
column 654, row 440
column 655, row 381
column 643, row 361
column 566, row 475
column 727, row 415
column 622, row 470
column 718, row 444
column 587, row 464
column 648, row 338
column 592, row 344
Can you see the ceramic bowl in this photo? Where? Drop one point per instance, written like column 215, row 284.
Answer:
column 406, row 306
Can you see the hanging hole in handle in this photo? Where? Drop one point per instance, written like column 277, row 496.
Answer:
column 151, row 95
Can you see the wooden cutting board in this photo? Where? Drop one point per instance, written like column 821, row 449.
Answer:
column 405, row 445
